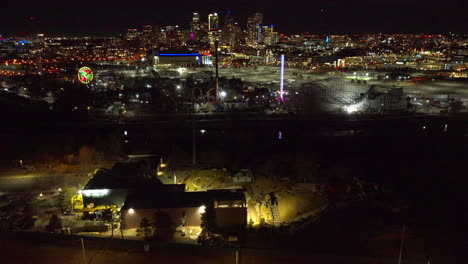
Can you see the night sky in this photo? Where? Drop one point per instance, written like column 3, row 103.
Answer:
column 108, row 17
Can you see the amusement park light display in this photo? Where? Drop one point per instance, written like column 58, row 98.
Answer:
column 85, row 75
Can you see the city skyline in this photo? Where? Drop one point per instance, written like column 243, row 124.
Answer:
column 298, row 16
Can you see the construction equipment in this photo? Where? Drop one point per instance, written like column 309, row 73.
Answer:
column 78, row 206
column 92, row 210
column 77, row 202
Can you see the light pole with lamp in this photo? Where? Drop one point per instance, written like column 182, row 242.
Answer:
column 194, row 144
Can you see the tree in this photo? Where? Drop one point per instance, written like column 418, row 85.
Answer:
column 25, row 222
column 208, row 225
column 55, row 224
column 145, row 229
column 164, row 228
column 65, row 196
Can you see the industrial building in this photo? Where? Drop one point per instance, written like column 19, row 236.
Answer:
column 185, row 208
column 169, row 59
column 132, row 191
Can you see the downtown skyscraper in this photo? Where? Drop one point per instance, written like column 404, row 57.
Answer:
column 254, row 24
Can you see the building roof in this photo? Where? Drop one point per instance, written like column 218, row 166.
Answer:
column 177, row 53
column 125, row 175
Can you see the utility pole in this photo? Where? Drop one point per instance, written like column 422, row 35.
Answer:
column 216, row 65
column 122, row 226
column 194, row 143
column 401, row 243
column 112, row 227
column 82, row 246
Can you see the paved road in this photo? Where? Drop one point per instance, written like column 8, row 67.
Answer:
column 21, row 182
column 29, row 181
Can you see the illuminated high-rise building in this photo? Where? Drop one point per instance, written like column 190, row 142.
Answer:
column 228, row 20
column 196, row 20
column 254, row 23
column 213, row 27
column 268, row 35
column 148, row 36
column 213, row 21
column 147, row 29
column 195, row 26
column 132, row 33
column 203, row 32
column 229, row 30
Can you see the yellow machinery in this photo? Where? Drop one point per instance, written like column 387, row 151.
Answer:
column 78, row 205
column 77, row 202
column 112, row 208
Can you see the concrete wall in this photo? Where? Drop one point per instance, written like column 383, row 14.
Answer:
column 231, row 217
column 192, row 216
column 225, row 217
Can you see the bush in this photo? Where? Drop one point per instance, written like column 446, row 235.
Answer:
column 55, row 224
column 26, row 222
column 20, row 222
column 145, row 229
column 209, row 235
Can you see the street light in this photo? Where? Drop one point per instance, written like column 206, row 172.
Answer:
column 202, row 209
column 222, row 94
column 131, row 211
column 351, row 108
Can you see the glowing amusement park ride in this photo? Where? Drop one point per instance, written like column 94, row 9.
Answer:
column 85, row 75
